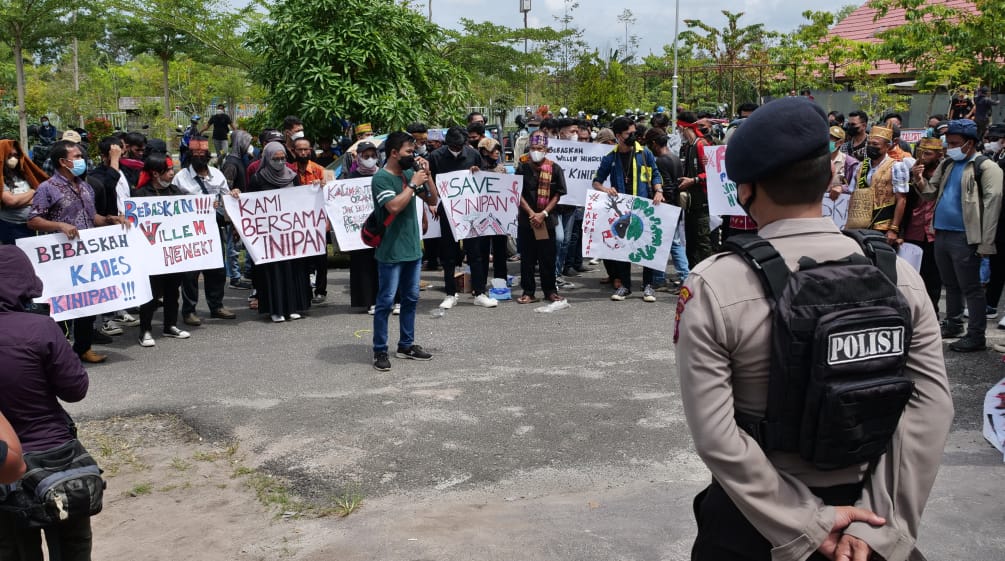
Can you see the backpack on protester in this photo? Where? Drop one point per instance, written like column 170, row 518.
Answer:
column 374, row 228
column 841, row 331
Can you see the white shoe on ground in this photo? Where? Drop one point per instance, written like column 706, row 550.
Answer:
column 449, row 302
column 485, row 302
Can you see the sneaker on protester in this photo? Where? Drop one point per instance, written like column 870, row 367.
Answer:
column 110, row 327
column 449, row 302
column 594, row 261
column 564, row 284
column 648, row 294
column 176, row 333
column 147, row 339
column 620, row 294
column 372, row 310
column 396, row 310
column 485, row 301
column 381, row 362
column 414, row 352
column 125, row 319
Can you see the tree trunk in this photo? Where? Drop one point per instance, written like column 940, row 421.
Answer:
column 167, row 88
column 76, row 81
column 22, row 114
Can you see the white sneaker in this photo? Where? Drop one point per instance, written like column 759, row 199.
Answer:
column 485, row 302
column 295, row 315
column 176, row 333
column 276, row 318
column 147, row 339
column 594, row 261
column 110, row 327
column 397, row 310
column 648, row 294
column 127, row 320
column 372, row 310
column 449, row 302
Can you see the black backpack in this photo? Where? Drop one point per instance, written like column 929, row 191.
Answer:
column 841, row 331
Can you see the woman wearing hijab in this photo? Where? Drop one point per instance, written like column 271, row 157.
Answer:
column 21, row 177
column 283, row 287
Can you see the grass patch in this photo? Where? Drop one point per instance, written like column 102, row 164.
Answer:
column 112, row 453
column 225, row 454
column 180, row 464
column 274, row 492
column 348, row 502
column 140, row 489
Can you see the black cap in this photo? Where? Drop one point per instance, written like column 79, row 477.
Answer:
column 779, row 133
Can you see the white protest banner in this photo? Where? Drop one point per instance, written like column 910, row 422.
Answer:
column 722, row 199
column 433, row 226
column 994, row 416
column 348, row 202
column 911, row 253
column 100, row 271
column 181, row 230
column 627, row 228
column 280, row 224
column 579, row 162
column 837, row 209
column 480, row 204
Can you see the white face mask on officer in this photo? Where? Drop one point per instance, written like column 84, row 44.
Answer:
column 957, row 154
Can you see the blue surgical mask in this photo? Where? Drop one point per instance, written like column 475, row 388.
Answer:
column 956, row 154
column 79, row 167
column 832, row 146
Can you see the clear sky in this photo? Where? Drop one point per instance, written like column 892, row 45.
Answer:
column 654, row 18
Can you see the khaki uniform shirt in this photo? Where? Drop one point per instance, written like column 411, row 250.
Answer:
column 723, row 354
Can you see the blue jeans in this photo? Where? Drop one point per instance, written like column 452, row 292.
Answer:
column 392, row 278
column 679, row 257
column 563, row 235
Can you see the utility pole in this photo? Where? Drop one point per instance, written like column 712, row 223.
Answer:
column 430, row 5
column 525, row 9
column 673, row 108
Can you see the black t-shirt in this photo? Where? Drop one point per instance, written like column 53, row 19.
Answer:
column 984, row 104
column 221, row 125
column 670, row 171
column 960, row 108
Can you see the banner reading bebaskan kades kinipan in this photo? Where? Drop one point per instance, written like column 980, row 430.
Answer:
column 628, row 228
column 480, row 204
column 102, row 270
column 280, row 224
column 181, row 232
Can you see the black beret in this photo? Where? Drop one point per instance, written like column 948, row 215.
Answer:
column 779, row 133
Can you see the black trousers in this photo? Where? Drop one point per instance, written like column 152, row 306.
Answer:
column 214, row 282
column 495, row 246
column 66, row 541
column 540, row 253
column 83, row 334
column 319, row 266
column 725, row 535
column 166, row 287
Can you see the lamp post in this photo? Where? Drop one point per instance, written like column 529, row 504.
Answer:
column 673, row 106
column 525, row 9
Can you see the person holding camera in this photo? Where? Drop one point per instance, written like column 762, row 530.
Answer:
column 399, row 255
column 40, row 368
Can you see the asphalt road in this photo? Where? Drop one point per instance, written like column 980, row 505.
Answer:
column 529, row 436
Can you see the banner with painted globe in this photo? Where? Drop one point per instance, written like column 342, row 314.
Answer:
column 626, row 228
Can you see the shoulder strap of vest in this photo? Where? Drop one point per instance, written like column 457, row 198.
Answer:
column 764, row 259
column 876, row 248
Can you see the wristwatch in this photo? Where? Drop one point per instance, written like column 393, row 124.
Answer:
column 545, row 213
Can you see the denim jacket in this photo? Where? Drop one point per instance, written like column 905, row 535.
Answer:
column 645, row 173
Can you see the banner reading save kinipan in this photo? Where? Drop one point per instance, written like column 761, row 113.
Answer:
column 280, row 224
column 102, row 270
column 181, row 232
column 480, row 204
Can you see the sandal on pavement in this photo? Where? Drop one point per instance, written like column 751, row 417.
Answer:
column 526, row 299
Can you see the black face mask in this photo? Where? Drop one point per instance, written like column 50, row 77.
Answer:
column 406, row 162
column 745, row 205
column 200, row 162
column 872, row 152
column 630, row 141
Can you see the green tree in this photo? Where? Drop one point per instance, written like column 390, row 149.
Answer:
column 367, row 60
column 29, row 24
column 602, row 83
column 946, row 45
column 810, row 57
column 734, row 50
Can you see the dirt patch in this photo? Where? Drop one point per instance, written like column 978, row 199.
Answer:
column 173, row 495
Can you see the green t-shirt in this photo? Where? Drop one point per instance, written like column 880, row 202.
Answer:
column 401, row 241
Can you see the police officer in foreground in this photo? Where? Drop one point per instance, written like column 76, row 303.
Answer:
column 774, row 505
